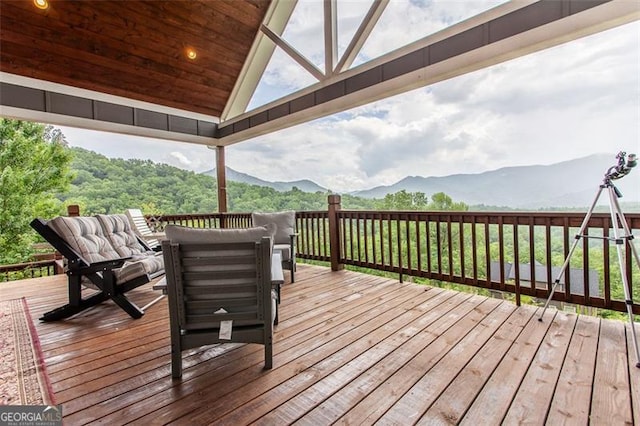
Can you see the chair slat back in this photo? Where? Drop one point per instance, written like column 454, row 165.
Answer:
column 210, row 283
column 140, row 226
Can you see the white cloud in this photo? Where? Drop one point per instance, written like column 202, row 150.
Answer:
column 180, row 158
column 187, row 156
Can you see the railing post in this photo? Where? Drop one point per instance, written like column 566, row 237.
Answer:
column 334, row 232
column 73, row 210
column 221, row 176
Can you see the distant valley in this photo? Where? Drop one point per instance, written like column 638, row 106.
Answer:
column 571, row 183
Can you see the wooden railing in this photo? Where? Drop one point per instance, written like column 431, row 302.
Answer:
column 512, row 252
column 312, row 226
column 203, row 220
column 497, row 251
column 20, row 271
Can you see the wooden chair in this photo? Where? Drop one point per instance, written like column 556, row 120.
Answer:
column 219, row 278
column 141, row 228
column 285, row 235
column 112, row 262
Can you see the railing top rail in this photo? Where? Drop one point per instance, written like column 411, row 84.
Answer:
column 21, row 266
column 551, row 214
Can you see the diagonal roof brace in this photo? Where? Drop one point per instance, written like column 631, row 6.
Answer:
column 362, row 33
column 256, row 62
column 272, row 29
column 508, row 31
column 293, row 53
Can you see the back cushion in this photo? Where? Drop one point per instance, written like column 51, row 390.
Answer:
column 85, row 236
column 182, row 234
column 285, row 223
column 118, row 231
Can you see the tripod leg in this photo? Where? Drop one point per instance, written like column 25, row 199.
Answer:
column 565, row 265
column 616, row 213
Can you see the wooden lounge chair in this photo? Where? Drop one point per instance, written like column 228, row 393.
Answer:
column 285, row 235
column 141, row 228
column 102, row 254
column 218, row 278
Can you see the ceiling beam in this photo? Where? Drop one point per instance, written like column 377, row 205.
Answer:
column 29, row 99
column 362, row 33
column 508, row 31
column 330, row 36
column 276, row 20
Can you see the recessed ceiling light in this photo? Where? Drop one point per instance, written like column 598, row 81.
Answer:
column 41, row 4
column 191, row 53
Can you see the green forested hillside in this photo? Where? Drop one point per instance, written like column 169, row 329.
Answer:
column 104, row 185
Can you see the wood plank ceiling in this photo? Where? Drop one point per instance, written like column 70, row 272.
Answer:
column 134, row 49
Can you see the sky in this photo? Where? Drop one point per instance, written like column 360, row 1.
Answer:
column 567, row 102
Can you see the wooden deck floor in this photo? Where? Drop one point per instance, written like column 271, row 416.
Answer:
column 350, row 349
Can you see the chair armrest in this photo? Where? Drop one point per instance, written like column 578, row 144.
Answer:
column 154, row 236
column 105, row 265
column 277, row 276
column 293, row 238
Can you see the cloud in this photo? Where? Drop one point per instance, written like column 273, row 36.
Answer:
column 187, row 156
column 180, row 158
column 404, row 22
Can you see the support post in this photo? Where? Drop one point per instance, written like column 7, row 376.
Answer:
column 334, row 201
column 221, row 176
column 73, row 210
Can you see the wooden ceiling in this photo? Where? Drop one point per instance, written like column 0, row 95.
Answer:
column 134, row 49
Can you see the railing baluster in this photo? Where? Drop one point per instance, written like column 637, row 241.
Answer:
column 516, row 262
column 501, row 250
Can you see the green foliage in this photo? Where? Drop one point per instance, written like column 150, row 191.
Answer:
column 104, row 185
column 441, row 201
column 33, row 164
column 403, row 200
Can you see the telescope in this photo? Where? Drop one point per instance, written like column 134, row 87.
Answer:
column 622, row 238
column 623, row 167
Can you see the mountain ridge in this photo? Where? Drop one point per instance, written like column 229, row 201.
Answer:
column 570, row 183
column 236, row 176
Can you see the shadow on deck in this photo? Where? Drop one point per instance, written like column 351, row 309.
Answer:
column 350, row 349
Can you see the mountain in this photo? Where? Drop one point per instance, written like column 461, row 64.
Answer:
column 236, row 176
column 571, row 183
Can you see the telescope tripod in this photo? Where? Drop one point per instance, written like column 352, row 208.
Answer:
column 617, row 218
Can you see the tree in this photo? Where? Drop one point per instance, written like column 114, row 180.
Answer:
column 441, row 201
column 34, row 164
column 403, row 200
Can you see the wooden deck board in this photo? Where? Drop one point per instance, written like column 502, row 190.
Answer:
column 572, row 396
column 350, row 348
column 610, row 397
column 534, row 395
column 452, row 404
column 480, row 327
column 420, row 317
column 634, row 375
